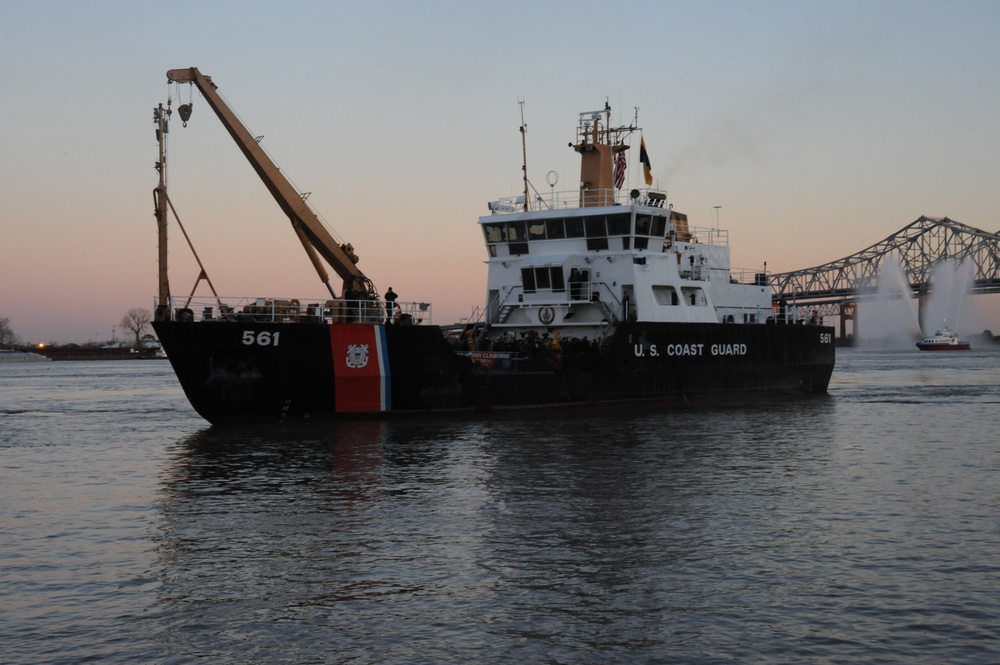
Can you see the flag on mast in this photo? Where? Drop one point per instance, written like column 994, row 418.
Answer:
column 620, row 163
column 644, row 159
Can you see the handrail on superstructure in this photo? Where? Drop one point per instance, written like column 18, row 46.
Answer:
column 308, row 227
column 576, row 198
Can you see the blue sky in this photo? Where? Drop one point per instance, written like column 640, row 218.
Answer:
column 819, row 127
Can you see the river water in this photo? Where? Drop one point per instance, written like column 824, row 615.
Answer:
column 859, row 527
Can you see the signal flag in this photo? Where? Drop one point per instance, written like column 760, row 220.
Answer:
column 644, row 158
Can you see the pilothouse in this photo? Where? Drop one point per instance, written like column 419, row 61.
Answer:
column 586, row 260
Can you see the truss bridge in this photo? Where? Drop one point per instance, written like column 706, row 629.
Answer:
column 834, row 288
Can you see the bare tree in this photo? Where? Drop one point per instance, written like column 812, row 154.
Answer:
column 135, row 321
column 7, row 336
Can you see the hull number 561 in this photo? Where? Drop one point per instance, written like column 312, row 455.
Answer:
column 263, row 338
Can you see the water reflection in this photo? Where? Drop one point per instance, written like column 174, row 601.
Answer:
column 397, row 537
column 856, row 528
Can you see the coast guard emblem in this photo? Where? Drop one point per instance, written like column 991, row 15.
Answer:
column 357, row 355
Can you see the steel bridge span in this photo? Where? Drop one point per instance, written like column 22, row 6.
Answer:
column 834, row 288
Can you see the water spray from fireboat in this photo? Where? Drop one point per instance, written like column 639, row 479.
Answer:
column 892, row 320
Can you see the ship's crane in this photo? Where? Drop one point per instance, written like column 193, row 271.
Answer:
column 314, row 236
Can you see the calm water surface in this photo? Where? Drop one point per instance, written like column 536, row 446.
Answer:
column 861, row 527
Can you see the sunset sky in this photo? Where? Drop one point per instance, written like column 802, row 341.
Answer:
column 820, row 128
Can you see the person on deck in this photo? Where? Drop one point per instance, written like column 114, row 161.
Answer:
column 390, row 304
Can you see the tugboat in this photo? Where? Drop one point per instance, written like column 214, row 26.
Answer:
column 595, row 295
column 943, row 340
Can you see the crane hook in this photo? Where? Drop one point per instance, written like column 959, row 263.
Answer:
column 185, row 112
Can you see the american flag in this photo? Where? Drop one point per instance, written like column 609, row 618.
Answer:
column 620, row 163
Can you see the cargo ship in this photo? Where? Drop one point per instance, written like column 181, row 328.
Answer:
column 596, row 295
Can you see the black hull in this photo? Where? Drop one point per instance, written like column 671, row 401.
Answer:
column 244, row 372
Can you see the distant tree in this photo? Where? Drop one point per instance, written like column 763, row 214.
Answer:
column 135, row 321
column 7, row 336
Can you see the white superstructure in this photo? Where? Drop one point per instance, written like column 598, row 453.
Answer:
column 585, row 260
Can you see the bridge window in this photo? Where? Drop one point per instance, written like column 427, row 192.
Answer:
column 597, row 233
column 643, row 224
column 516, row 231
column 659, row 226
column 493, row 233
column 595, row 228
column 542, row 278
column 554, row 229
column 651, row 225
column 618, row 225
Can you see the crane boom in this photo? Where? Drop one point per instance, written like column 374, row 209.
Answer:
column 308, row 227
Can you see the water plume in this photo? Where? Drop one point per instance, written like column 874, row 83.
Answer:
column 890, row 321
column 950, row 283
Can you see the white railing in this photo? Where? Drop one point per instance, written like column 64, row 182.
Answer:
column 708, row 236
column 576, row 198
column 697, row 234
column 756, row 277
column 294, row 310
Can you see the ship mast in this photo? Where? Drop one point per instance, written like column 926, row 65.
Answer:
column 524, row 155
column 597, row 147
column 160, row 117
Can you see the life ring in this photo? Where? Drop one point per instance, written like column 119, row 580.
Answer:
column 546, row 315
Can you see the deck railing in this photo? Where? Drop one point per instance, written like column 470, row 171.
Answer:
column 293, row 310
column 576, row 198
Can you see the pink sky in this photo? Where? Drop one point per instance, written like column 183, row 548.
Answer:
column 819, row 129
